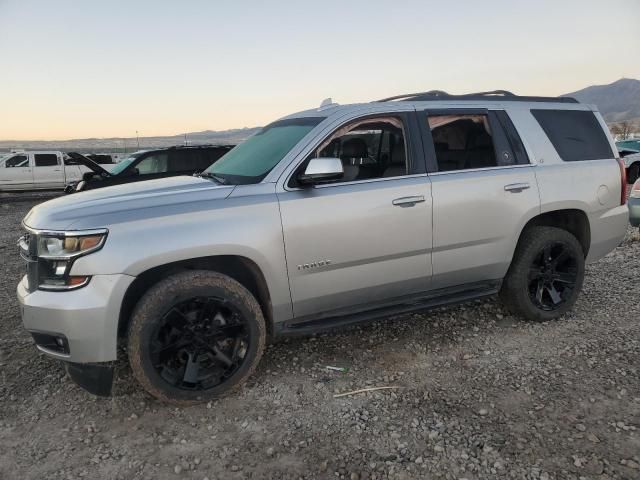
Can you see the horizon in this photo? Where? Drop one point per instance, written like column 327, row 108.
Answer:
column 165, row 70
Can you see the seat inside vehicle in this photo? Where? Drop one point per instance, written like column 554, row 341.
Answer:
column 462, row 142
column 369, row 150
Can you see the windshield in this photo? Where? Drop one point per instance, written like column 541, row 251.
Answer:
column 253, row 159
column 122, row 165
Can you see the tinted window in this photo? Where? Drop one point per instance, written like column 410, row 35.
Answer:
column 17, row 161
column 463, row 141
column 154, row 163
column 185, row 161
column 576, row 135
column 46, row 159
column 211, row 155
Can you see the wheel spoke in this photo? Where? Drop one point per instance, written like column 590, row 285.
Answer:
column 174, row 346
column 553, row 293
column 539, row 291
column 220, row 355
column 534, row 273
column 546, row 254
column 191, row 370
column 565, row 278
column 237, row 345
column 564, row 255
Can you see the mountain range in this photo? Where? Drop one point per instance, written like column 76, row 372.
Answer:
column 617, row 101
column 119, row 145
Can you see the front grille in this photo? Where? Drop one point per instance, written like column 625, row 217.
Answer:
column 28, row 245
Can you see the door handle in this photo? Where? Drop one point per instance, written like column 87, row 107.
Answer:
column 516, row 187
column 56, row 170
column 408, row 201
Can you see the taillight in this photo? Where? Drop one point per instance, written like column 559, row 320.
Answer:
column 623, row 182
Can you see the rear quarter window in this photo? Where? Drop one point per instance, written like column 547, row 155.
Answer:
column 575, row 134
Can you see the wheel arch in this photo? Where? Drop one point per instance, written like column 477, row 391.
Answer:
column 573, row 220
column 240, row 268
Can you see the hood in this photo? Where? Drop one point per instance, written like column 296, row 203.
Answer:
column 107, row 206
column 90, row 164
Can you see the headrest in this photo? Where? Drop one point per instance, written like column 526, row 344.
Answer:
column 354, row 148
column 482, row 140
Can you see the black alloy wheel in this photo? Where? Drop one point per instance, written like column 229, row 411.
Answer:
column 546, row 274
column 195, row 336
column 553, row 276
column 199, row 343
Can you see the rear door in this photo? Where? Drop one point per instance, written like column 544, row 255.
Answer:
column 47, row 170
column 16, row 172
column 484, row 189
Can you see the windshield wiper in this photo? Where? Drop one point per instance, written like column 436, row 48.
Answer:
column 217, row 178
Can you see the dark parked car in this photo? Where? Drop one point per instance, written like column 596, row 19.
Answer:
column 147, row 165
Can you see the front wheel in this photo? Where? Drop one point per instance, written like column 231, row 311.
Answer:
column 546, row 274
column 195, row 336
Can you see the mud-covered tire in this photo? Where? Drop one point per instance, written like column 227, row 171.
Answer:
column 517, row 291
column 162, row 298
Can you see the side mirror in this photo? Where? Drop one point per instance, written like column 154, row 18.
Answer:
column 320, row 170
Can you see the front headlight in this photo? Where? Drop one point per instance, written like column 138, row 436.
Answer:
column 56, row 252
column 68, row 246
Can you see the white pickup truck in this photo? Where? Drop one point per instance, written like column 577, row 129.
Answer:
column 38, row 170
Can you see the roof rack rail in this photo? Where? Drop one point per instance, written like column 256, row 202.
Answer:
column 490, row 95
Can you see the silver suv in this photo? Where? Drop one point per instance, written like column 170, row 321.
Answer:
column 324, row 218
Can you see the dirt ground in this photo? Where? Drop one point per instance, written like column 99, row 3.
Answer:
column 482, row 395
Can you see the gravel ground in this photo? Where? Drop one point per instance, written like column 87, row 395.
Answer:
column 482, row 395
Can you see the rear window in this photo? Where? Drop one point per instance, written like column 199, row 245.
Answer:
column 575, row 134
column 46, row 159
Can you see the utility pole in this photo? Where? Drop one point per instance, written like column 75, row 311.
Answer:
column 186, row 142
column 138, row 139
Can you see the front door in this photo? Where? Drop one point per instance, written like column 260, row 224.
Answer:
column 366, row 237
column 483, row 191
column 16, row 173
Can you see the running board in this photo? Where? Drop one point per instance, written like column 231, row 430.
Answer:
column 403, row 305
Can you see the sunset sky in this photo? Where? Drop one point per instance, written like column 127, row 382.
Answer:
column 75, row 69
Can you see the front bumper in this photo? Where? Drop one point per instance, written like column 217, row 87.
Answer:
column 634, row 211
column 87, row 318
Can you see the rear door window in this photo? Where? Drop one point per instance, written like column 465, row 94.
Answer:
column 46, row 159
column 185, row 160
column 575, row 134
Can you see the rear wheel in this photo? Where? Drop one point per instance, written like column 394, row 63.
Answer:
column 195, row 336
column 546, row 274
